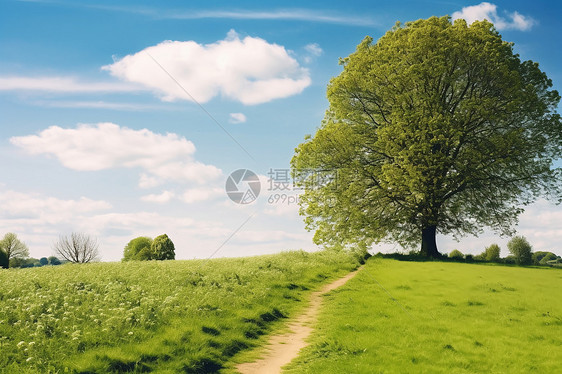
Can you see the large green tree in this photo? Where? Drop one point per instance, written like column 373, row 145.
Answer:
column 163, row 248
column 138, row 249
column 438, row 127
column 13, row 247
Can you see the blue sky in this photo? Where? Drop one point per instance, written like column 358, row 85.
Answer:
column 97, row 137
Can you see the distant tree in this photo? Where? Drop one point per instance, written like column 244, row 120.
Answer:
column 162, row 248
column 28, row 262
column 138, row 249
column 492, row 253
column 13, row 247
column 78, row 248
column 54, row 261
column 456, row 254
column 542, row 257
column 520, row 248
column 44, row 261
column 4, row 260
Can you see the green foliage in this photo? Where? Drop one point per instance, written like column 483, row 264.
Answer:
column 542, row 258
column 162, row 248
column 492, row 253
column 520, row 248
column 53, row 260
column 456, row 254
column 438, row 317
column 4, row 261
column 138, row 249
column 44, row 261
column 160, row 316
column 436, row 126
column 13, row 247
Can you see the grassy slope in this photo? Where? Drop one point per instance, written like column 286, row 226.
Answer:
column 172, row 316
column 447, row 318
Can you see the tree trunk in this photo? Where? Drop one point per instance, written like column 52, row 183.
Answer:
column 429, row 245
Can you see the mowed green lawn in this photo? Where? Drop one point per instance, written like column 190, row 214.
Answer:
column 155, row 316
column 434, row 317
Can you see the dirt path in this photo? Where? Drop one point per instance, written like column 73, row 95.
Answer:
column 283, row 348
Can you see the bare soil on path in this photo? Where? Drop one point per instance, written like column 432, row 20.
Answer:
column 283, row 348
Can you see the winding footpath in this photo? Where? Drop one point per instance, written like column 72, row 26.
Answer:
column 283, row 348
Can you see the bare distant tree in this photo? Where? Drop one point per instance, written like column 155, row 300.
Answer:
column 13, row 247
column 78, row 248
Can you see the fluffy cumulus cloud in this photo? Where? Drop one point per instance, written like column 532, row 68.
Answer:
column 237, row 118
column 248, row 70
column 488, row 11
column 106, row 145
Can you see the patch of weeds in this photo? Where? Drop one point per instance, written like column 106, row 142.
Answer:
column 203, row 365
column 234, row 347
column 474, row 303
column 210, row 330
column 449, row 347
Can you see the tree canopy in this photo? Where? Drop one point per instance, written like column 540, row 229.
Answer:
column 13, row 248
column 138, row 249
column 438, row 127
column 163, row 248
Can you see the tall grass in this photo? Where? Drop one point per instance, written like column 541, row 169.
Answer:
column 170, row 316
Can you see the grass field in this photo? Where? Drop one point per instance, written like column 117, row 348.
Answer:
column 165, row 316
column 434, row 317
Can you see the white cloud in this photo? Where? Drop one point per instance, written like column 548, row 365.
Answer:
column 313, row 50
column 163, row 197
column 307, row 15
column 237, row 118
column 35, row 208
column 106, row 145
column 62, row 85
column 249, row 70
column 489, row 12
column 198, row 194
column 289, row 14
column 100, row 105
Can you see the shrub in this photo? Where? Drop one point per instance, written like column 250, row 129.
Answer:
column 469, row 258
column 492, row 253
column 509, row 260
column 456, row 254
column 520, row 248
column 44, row 261
column 162, row 248
column 53, row 260
column 138, row 249
column 541, row 257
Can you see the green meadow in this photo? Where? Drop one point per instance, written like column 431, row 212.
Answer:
column 204, row 316
column 435, row 317
column 159, row 316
